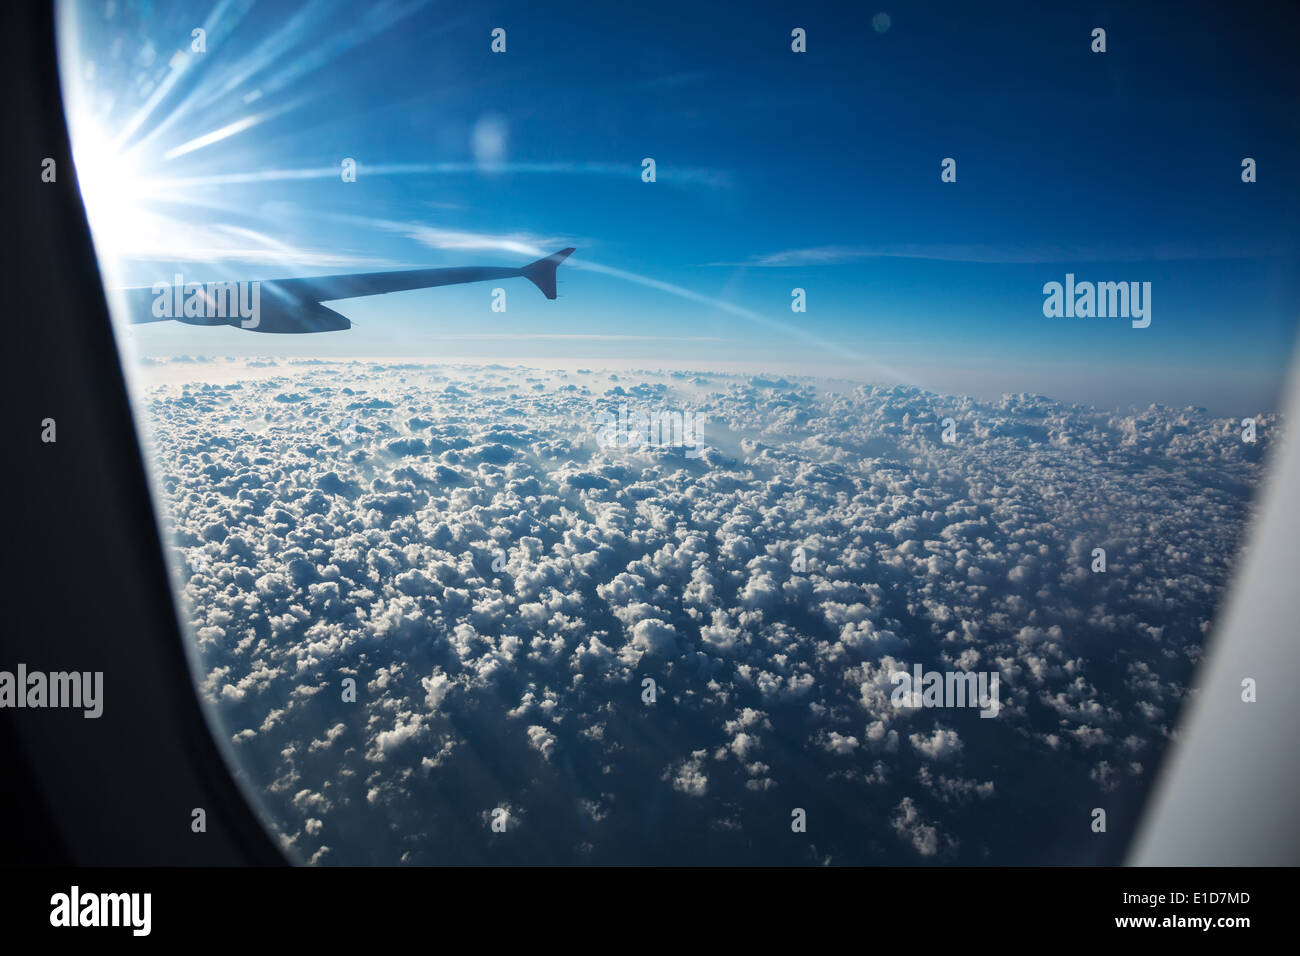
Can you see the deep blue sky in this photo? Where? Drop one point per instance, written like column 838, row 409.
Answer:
column 776, row 170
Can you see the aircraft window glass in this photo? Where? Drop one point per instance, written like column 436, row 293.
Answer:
column 579, row 440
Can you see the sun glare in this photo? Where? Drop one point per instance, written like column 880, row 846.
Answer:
column 113, row 192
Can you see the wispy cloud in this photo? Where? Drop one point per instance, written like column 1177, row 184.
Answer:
column 460, row 240
column 584, row 337
column 673, row 81
column 1015, row 253
column 534, row 246
column 788, row 329
column 671, row 175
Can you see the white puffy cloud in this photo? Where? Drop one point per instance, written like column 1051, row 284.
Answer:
column 498, row 586
column 939, row 745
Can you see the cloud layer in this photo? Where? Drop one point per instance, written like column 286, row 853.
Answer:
column 502, row 591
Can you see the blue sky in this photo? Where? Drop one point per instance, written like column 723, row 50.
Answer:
column 775, row 170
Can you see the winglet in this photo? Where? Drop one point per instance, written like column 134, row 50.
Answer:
column 542, row 272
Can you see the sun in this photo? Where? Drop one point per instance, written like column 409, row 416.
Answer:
column 116, row 196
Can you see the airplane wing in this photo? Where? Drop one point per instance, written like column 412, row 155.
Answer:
column 293, row 306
